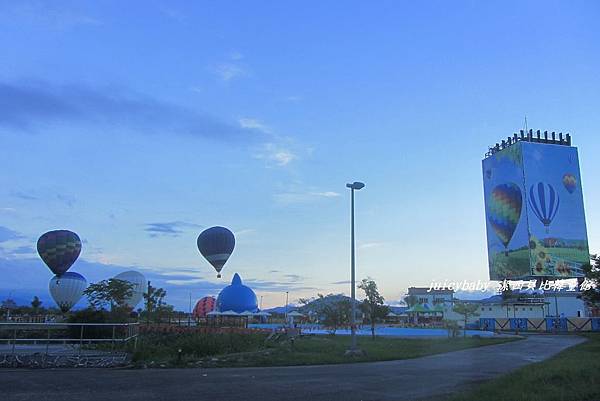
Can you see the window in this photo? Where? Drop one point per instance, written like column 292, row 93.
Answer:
column 482, row 309
column 490, row 309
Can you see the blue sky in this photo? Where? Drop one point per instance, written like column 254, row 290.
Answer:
column 139, row 125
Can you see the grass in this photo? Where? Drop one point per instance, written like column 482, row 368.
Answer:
column 572, row 375
column 309, row 350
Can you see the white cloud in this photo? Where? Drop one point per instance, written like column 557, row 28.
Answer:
column 368, row 245
column 327, row 194
column 186, row 282
column 252, row 123
column 303, row 197
column 229, row 71
column 245, row 231
column 275, row 154
column 235, row 55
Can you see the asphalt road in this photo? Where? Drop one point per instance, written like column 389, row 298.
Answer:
column 413, row 379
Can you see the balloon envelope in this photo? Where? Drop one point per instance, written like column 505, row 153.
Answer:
column 67, row 289
column 216, row 245
column 203, row 306
column 504, row 210
column 59, row 249
column 544, row 202
column 570, row 182
column 139, row 286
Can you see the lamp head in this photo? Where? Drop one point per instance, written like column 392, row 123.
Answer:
column 356, row 185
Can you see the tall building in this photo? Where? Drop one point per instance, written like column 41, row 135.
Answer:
column 534, row 208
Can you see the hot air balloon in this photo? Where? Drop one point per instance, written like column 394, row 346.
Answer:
column 59, row 249
column 67, row 289
column 216, row 245
column 203, row 306
column 544, row 202
column 504, row 211
column 570, row 182
column 138, row 289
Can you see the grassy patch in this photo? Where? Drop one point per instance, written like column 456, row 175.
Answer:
column 572, row 375
column 239, row 350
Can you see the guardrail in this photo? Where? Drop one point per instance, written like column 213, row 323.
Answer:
column 62, row 333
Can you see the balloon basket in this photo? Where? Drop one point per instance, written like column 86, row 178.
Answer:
column 219, row 275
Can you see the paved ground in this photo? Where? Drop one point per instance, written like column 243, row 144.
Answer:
column 413, row 379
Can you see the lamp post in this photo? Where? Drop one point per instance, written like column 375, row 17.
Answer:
column 355, row 186
column 286, row 306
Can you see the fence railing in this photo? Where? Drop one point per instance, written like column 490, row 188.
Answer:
column 76, row 334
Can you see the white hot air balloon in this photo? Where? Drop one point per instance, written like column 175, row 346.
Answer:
column 140, row 286
column 67, row 289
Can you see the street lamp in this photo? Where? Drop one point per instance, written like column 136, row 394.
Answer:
column 286, row 306
column 355, row 186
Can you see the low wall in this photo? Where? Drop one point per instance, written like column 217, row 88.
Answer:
column 549, row 324
column 166, row 328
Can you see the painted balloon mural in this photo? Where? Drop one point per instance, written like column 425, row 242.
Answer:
column 544, row 202
column 570, row 182
column 504, row 211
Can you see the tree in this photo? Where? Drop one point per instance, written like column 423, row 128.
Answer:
column 372, row 306
column 35, row 304
column 467, row 310
column 334, row 311
column 411, row 300
column 590, row 288
column 8, row 304
column 112, row 292
column 154, row 300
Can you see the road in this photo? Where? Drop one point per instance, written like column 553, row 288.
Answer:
column 413, row 379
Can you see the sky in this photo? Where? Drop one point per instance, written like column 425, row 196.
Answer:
column 138, row 125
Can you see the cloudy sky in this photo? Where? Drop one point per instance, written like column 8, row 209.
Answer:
column 139, row 125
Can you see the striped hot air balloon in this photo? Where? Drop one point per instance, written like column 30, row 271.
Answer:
column 504, row 211
column 67, row 289
column 216, row 245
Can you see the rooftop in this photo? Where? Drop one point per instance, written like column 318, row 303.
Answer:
column 529, row 136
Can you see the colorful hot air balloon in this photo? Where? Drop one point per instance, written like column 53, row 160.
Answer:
column 570, row 182
column 203, row 306
column 504, row 211
column 138, row 289
column 67, row 289
column 59, row 249
column 216, row 245
column 544, row 202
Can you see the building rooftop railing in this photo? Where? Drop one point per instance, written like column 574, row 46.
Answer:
column 539, row 137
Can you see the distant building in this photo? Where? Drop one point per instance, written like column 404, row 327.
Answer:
column 430, row 304
column 534, row 208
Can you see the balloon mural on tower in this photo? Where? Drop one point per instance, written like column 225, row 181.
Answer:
column 67, row 289
column 544, row 202
column 570, row 182
column 504, row 211
column 138, row 289
column 216, row 245
column 203, row 306
column 59, row 249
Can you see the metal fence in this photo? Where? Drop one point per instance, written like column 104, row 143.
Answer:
column 28, row 337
